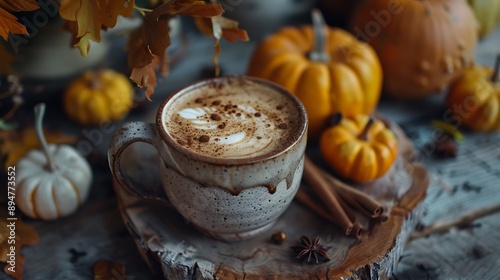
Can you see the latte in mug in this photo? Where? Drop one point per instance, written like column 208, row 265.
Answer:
column 231, row 154
column 233, row 119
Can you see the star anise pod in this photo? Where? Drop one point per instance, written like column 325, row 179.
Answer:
column 310, row 251
column 445, row 148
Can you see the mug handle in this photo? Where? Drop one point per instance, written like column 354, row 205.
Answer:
column 125, row 136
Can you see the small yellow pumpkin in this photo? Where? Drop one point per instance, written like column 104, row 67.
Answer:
column 328, row 69
column 359, row 148
column 99, row 96
column 474, row 99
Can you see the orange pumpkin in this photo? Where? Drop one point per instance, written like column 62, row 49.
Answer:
column 474, row 99
column 326, row 68
column 422, row 45
column 359, row 149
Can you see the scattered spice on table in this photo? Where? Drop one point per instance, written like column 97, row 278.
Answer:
column 75, row 255
column 445, row 148
column 105, row 270
column 278, row 237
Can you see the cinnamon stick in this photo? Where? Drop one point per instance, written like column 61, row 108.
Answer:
column 381, row 219
column 317, row 207
column 357, row 230
column 356, row 205
column 305, row 198
column 355, row 198
column 347, row 209
column 327, row 195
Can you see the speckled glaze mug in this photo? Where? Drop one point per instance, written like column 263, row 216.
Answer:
column 231, row 153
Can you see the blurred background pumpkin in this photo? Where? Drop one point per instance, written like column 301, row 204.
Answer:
column 474, row 100
column 487, row 13
column 422, row 45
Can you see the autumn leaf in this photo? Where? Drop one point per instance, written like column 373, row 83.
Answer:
column 9, row 24
column 146, row 47
column 81, row 43
column 113, row 9
column 108, row 270
column 220, row 27
column 19, row 5
column 228, row 29
column 148, row 43
column 24, row 235
column 204, row 25
column 146, row 75
column 6, row 59
column 151, row 38
column 86, row 15
column 90, row 16
column 16, row 144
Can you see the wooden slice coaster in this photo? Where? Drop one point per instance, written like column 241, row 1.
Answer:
column 174, row 249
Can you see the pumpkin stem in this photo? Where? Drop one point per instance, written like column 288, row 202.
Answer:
column 320, row 43
column 39, row 112
column 335, row 119
column 494, row 77
column 364, row 134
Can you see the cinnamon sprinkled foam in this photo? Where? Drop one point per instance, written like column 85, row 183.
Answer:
column 234, row 119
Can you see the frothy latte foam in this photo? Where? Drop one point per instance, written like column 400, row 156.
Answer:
column 233, row 119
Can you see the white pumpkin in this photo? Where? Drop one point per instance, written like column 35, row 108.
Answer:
column 51, row 182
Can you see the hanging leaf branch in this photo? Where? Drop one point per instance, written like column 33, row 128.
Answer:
column 147, row 45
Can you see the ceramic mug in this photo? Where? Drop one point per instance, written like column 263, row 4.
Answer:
column 225, row 198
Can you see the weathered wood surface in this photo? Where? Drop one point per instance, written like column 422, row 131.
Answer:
column 97, row 232
column 470, row 181
column 178, row 251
